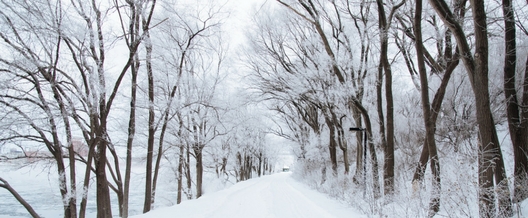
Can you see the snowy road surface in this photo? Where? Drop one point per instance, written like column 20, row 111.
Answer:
column 276, row 195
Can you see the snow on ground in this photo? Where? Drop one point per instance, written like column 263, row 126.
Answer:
column 277, row 195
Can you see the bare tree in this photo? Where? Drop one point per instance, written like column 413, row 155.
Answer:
column 151, row 114
column 434, row 206
column 517, row 116
column 131, row 39
column 477, row 68
column 384, row 26
column 38, row 88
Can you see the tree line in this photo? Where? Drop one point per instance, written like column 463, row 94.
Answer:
column 404, row 79
column 124, row 79
column 327, row 65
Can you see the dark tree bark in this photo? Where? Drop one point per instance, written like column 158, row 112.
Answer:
column 86, row 182
column 435, row 108
column 434, row 205
column 332, row 145
column 370, row 146
column 180, row 174
column 151, row 131
column 384, row 25
column 149, row 196
column 160, row 143
column 131, row 40
column 360, row 161
column 446, row 62
column 199, row 171
column 517, row 123
column 188, row 177
column 491, row 163
column 379, row 106
column 452, row 59
column 259, row 169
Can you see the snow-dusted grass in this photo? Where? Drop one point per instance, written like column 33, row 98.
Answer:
column 459, row 186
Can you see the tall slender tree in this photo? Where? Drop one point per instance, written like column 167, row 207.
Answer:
column 385, row 68
column 477, row 68
column 517, row 116
column 434, row 206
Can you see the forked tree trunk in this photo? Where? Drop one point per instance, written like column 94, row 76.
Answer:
column 131, row 134
column 491, row 163
column 434, row 205
column 388, row 166
column 134, row 67
column 453, row 59
column 341, row 140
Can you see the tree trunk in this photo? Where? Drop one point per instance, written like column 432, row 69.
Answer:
column 379, row 105
column 240, row 167
column 341, row 140
column 180, row 175
column 130, row 139
column 452, row 62
column 134, row 67
column 435, row 108
column 151, row 126
column 188, row 172
column 388, row 166
column 516, row 122
column 434, row 205
column 72, row 199
column 104, row 208
column 86, row 182
column 522, row 152
column 199, row 171
column 491, row 154
column 491, row 163
column 117, row 178
column 160, row 152
column 358, row 176
column 370, row 144
column 332, row 144
column 259, row 172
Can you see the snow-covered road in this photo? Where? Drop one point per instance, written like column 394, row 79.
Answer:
column 277, row 195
